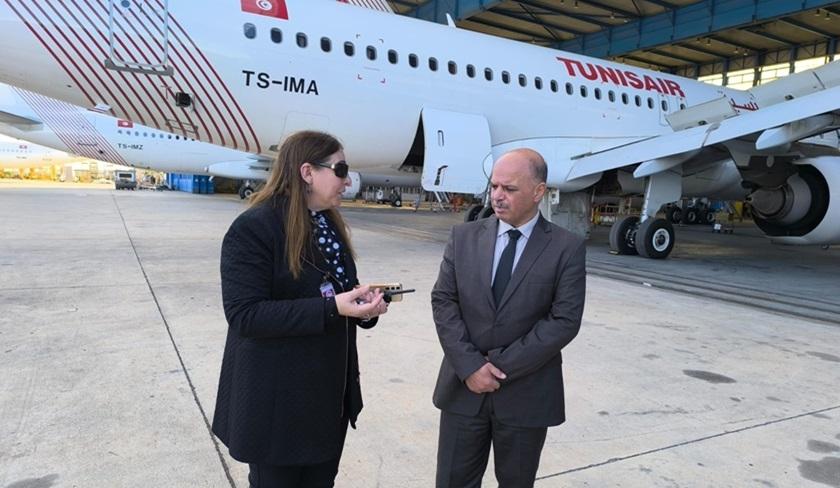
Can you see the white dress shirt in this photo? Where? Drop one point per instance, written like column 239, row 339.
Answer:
column 502, row 241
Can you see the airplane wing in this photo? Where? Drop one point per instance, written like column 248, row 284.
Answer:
column 22, row 123
column 694, row 139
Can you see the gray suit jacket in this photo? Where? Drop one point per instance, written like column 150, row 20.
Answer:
column 522, row 335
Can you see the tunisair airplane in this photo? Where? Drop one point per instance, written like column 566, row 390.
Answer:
column 71, row 129
column 406, row 95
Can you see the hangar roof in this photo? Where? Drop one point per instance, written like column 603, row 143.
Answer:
column 687, row 37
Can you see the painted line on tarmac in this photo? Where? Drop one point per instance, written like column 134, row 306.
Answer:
column 686, row 443
column 177, row 351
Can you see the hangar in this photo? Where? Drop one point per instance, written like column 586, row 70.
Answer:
column 735, row 43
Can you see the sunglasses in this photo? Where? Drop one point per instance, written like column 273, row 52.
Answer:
column 340, row 168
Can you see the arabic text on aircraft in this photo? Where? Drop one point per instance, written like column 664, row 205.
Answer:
column 621, row 77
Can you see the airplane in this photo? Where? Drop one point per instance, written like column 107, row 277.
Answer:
column 72, row 129
column 18, row 154
column 409, row 95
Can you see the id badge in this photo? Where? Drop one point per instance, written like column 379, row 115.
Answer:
column 327, row 289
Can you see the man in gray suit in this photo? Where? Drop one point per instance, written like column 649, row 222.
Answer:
column 508, row 298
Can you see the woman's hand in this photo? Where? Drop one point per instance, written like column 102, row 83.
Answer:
column 361, row 303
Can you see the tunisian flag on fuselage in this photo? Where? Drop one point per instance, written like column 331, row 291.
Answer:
column 270, row 8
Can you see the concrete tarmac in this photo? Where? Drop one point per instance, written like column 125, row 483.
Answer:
column 111, row 335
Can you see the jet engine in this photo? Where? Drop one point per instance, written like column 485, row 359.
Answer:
column 803, row 207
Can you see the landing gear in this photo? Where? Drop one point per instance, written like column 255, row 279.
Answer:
column 623, row 235
column 486, row 212
column 673, row 214
column 473, row 212
column 654, row 238
column 647, row 235
column 246, row 190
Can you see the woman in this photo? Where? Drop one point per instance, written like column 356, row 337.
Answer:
column 290, row 373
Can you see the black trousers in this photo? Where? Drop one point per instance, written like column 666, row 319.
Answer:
column 464, row 448
column 320, row 475
column 308, row 476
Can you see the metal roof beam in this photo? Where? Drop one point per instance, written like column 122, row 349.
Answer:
column 583, row 18
column 529, row 18
column 771, row 37
column 609, row 8
column 807, row 28
column 667, row 5
column 666, row 54
column 645, row 61
column 496, row 25
column 687, row 22
column 436, row 10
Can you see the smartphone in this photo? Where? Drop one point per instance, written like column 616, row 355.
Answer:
column 393, row 291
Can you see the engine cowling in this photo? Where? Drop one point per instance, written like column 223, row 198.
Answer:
column 806, row 208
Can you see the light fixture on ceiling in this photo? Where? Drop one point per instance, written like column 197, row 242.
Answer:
column 827, row 15
column 708, row 42
column 736, row 49
column 817, row 13
column 576, row 4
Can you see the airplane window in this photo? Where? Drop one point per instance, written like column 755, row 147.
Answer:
column 611, row 95
column 169, row 136
column 488, row 74
column 326, row 44
column 276, row 35
column 471, row 71
column 393, row 58
column 650, row 102
column 178, row 138
column 371, row 53
column 638, row 101
column 597, row 94
column 583, row 91
column 523, row 80
column 145, row 134
column 413, row 61
column 664, row 105
column 302, row 41
column 625, row 99
column 569, row 88
column 538, row 83
column 682, row 106
column 453, row 68
column 349, row 49
column 554, row 86
column 119, row 131
column 433, row 64
column 505, row 77
column 250, row 30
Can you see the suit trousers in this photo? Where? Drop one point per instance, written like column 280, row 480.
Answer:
column 464, row 448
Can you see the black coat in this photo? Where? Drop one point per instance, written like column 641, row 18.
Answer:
column 290, row 372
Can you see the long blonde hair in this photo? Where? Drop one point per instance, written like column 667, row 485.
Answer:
column 285, row 184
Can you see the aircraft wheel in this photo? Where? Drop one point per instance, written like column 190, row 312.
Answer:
column 655, row 238
column 486, row 212
column 473, row 212
column 396, row 201
column 245, row 192
column 623, row 235
column 691, row 216
column 673, row 214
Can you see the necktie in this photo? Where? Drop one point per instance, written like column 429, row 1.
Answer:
column 505, row 268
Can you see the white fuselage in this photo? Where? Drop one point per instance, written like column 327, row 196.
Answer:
column 17, row 154
column 247, row 93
